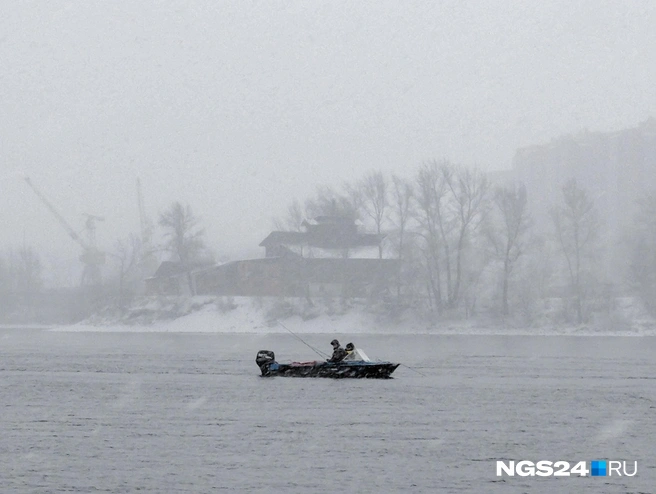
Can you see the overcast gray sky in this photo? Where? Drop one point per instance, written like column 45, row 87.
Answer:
column 238, row 107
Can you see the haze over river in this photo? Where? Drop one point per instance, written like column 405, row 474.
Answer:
column 166, row 412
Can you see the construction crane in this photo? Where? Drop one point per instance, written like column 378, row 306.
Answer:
column 91, row 257
column 90, row 227
column 146, row 226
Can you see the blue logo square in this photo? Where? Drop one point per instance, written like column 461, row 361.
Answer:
column 598, row 468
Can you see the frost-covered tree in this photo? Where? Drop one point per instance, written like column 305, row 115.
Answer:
column 434, row 230
column 375, row 201
column 401, row 211
column 506, row 232
column 576, row 225
column 28, row 270
column 330, row 202
column 292, row 220
column 451, row 203
column 469, row 193
column 25, row 275
column 182, row 236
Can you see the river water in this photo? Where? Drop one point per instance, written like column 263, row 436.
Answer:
column 161, row 412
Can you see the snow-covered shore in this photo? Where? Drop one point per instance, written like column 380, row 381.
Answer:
column 251, row 316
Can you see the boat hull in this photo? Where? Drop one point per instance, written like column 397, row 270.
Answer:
column 354, row 370
column 336, row 370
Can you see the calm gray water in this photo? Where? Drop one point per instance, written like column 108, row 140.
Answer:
column 155, row 412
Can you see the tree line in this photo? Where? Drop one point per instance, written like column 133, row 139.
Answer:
column 468, row 246
column 23, row 273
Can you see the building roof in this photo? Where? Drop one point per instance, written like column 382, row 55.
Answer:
column 326, row 240
column 175, row 268
column 168, row 268
column 282, row 238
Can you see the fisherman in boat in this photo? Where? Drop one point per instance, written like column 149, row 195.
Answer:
column 355, row 354
column 338, row 352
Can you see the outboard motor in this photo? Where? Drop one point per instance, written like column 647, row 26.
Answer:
column 264, row 360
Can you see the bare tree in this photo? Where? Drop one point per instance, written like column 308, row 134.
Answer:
column 293, row 219
column 469, row 193
column 26, row 275
column 401, row 213
column 576, row 224
column 29, row 270
column 506, row 232
column 430, row 214
column 330, row 202
column 375, row 201
column 183, row 237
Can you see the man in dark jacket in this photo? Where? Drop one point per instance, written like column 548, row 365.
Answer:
column 338, row 352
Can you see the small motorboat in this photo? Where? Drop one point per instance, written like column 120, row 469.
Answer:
column 356, row 365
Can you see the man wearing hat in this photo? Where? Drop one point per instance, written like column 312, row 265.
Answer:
column 338, row 352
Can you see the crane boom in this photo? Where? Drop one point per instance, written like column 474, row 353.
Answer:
column 91, row 256
column 54, row 211
column 143, row 222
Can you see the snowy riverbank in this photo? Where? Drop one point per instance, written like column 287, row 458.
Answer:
column 258, row 316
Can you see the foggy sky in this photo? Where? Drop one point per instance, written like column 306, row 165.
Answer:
column 238, row 107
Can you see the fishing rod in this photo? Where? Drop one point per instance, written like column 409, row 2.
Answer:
column 322, row 354
column 319, row 352
column 414, row 370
